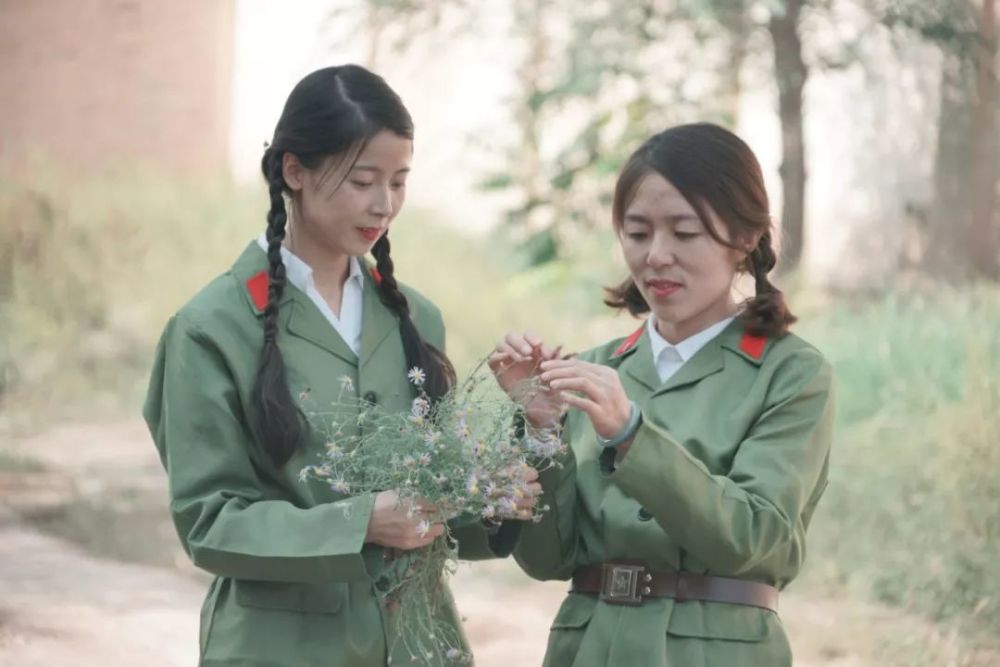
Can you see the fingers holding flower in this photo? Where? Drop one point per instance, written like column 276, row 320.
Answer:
column 596, row 390
column 516, row 364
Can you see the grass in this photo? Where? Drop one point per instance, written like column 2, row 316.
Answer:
column 912, row 515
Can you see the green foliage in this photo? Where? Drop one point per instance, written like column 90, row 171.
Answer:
column 912, row 514
column 949, row 23
column 91, row 270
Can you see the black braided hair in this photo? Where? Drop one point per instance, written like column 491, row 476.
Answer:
column 278, row 423
column 418, row 352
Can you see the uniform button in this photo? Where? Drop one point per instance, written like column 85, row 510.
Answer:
column 371, row 397
column 644, row 514
column 382, row 583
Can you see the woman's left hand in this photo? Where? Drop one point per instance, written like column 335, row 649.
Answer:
column 595, row 389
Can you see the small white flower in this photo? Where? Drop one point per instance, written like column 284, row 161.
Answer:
column 417, row 376
column 346, row 383
column 340, row 485
column 432, row 438
column 420, row 407
column 424, row 459
column 507, row 506
column 304, row 473
column 423, row 528
column 489, row 512
column 472, row 485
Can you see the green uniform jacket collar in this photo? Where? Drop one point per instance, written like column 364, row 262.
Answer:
column 635, row 357
column 304, row 320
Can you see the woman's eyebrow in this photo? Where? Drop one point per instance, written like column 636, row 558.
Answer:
column 376, row 170
column 675, row 218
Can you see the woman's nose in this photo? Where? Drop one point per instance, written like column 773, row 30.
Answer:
column 381, row 203
column 661, row 251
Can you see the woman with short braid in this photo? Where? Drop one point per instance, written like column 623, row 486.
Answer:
column 300, row 319
column 698, row 445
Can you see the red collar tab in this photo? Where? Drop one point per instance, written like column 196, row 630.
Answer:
column 257, row 287
column 376, row 276
column 753, row 345
column 629, row 342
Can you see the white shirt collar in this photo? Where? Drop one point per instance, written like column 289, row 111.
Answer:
column 300, row 274
column 687, row 348
column 348, row 322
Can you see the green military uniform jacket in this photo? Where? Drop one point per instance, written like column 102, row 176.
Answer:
column 721, row 479
column 295, row 581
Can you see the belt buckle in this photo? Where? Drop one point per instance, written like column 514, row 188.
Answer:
column 620, row 584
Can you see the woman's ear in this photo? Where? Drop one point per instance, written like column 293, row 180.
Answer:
column 292, row 171
column 744, row 250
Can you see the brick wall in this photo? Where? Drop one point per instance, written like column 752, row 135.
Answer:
column 98, row 82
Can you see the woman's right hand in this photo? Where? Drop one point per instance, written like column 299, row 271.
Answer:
column 399, row 526
column 515, row 361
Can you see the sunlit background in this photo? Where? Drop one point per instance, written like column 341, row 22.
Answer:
column 130, row 138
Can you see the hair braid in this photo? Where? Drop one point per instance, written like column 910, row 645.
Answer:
column 418, row 352
column 766, row 314
column 276, row 422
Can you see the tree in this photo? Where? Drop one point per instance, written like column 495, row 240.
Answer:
column 963, row 238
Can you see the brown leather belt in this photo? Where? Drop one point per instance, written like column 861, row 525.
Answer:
column 630, row 583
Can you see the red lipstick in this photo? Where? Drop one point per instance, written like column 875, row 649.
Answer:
column 662, row 288
column 370, row 233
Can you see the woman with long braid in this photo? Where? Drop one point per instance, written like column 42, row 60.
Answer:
column 299, row 319
column 699, row 444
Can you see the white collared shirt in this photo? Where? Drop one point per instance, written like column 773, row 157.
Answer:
column 669, row 358
column 348, row 323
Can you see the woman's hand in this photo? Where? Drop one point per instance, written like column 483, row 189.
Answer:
column 524, row 507
column 515, row 362
column 400, row 526
column 595, row 389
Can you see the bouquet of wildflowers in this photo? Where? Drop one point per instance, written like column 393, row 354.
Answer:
column 463, row 456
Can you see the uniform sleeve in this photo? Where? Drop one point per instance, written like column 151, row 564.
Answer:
column 232, row 523
column 477, row 541
column 733, row 522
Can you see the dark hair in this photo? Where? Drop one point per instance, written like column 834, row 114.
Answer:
column 712, row 168
column 333, row 111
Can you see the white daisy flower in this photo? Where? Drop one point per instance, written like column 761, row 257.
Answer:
column 417, row 376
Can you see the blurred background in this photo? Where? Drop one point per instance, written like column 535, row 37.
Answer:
column 130, row 138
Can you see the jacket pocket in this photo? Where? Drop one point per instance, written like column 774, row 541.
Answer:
column 575, row 612
column 309, row 598
column 716, row 620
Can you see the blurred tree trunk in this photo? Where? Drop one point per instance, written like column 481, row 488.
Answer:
column 529, row 15
column 963, row 242
column 984, row 239
column 736, row 21
column 950, row 218
column 791, row 73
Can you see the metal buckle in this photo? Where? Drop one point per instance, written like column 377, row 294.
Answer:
column 620, row 584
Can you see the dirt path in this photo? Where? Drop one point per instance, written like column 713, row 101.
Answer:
column 62, row 605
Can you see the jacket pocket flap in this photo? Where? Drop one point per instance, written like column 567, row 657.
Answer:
column 575, row 611
column 717, row 620
column 311, row 598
